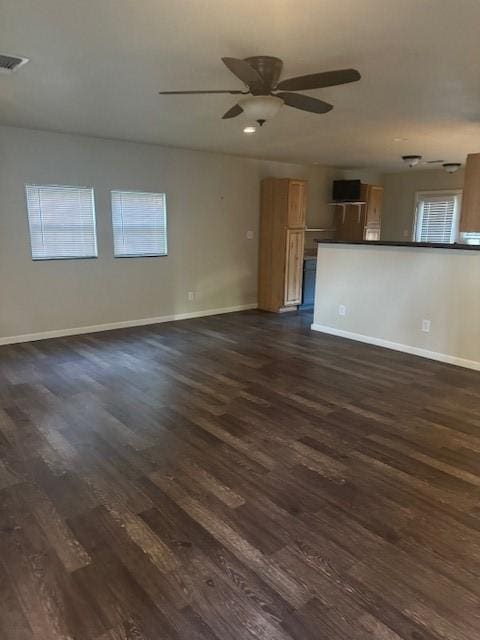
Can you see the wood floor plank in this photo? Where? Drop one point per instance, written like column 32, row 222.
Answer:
column 236, row 477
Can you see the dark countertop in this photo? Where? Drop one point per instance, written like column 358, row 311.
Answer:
column 419, row 245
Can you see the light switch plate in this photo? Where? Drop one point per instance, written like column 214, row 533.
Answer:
column 426, row 326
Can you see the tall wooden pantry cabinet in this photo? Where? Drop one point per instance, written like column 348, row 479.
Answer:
column 282, row 239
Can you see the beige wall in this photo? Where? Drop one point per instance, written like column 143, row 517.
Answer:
column 398, row 216
column 388, row 291
column 367, row 176
column 212, row 202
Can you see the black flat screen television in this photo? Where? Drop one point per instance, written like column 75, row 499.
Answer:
column 346, row 190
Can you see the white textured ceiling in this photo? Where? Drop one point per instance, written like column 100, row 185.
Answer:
column 96, row 67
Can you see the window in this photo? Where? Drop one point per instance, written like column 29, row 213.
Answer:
column 62, row 222
column 139, row 224
column 437, row 216
column 471, row 238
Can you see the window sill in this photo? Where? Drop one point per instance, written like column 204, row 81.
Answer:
column 144, row 255
column 52, row 258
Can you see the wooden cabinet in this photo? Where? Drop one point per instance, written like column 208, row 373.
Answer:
column 360, row 221
column 294, row 266
column 297, row 203
column 470, row 216
column 282, row 238
column 349, row 222
column 373, row 212
column 374, row 205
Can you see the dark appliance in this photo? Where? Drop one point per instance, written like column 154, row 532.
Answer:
column 346, row 190
column 308, row 289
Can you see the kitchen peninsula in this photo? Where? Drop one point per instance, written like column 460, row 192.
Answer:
column 399, row 243
column 419, row 298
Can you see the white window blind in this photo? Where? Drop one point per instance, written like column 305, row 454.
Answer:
column 471, row 237
column 437, row 217
column 62, row 222
column 139, row 224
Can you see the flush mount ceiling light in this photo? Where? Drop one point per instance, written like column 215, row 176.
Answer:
column 451, row 167
column 261, row 108
column 250, row 130
column 400, row 140
column 412, row 161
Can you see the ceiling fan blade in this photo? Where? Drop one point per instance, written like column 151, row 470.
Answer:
column 181, row 93
column 306, row 103
column 235, row 111
column 319, row 80
column 243, row 71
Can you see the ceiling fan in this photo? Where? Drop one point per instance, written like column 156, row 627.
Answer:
column 266, row 94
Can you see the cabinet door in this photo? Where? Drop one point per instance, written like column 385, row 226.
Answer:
column 470, row 216
column 350, row 222
column 374, row 205
column 297, row 204
column 309, row 277
column 372, row 233
column 294, row 266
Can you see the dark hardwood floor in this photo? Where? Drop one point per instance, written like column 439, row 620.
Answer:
column 236, row 477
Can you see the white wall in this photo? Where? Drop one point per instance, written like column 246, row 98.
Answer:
column 398, row 215
column 212, row 201
column 388, row 291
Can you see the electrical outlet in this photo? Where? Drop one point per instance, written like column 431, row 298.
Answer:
column 342, row 310
column 249, row 235
column 426, row 326
column 191, row 295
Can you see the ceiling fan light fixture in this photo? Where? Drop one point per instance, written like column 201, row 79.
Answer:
column 451, row 167
column 412, row 161
column 250, row 130
column 261, row 107
column 261, row 75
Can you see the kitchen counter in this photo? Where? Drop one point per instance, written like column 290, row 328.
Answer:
column 418, row 245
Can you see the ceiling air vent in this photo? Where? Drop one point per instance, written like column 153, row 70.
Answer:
column 9, row 64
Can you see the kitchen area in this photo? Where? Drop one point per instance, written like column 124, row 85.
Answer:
column 398, row 267
column 418, row 206
column 288, row 247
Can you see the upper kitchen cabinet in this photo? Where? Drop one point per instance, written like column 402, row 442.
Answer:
column 470, row 216
column 374, row 205
column 361, row 220
column 297, row 203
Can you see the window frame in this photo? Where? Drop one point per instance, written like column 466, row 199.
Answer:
column 94, row 220
column 147, row 193
column 423, row 195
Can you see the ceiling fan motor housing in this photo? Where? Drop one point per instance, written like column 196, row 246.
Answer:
column 269, row 69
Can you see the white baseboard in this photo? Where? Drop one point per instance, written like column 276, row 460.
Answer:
column 60, row 333
column 397, row 346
